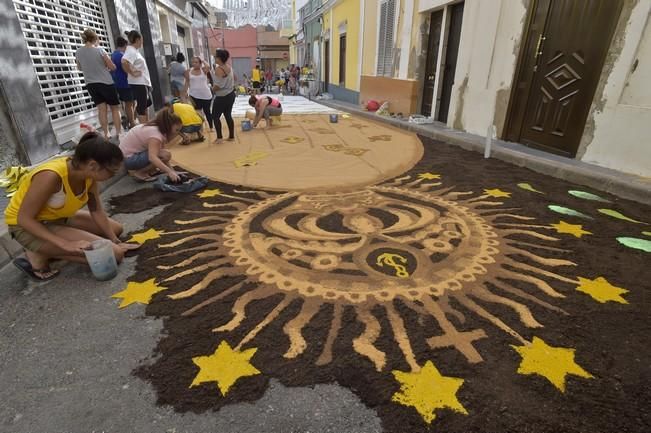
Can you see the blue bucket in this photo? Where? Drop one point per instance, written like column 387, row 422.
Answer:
column 334, row 118
column 246, row 125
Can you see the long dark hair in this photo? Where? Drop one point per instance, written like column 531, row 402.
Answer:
column 94, row 146
column 165, row 120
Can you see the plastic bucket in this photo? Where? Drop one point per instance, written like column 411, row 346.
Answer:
column 246, row 125
column 101, row 259
column 334, row 118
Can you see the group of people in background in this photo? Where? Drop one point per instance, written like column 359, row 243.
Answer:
column 286, row 79
column 45, row 214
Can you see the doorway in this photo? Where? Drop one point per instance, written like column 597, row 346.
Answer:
column 451, row 55
column 559, row 69
column 326, row 65
column 342, row 60
column 436, row 22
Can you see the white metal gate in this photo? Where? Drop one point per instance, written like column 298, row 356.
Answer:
column 52, row 30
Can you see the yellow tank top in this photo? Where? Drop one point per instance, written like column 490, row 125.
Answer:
column 72, row 203
column 255, row 75
column 188, row 114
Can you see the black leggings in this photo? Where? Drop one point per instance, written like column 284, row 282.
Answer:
column 224, row 105
column 203, row 104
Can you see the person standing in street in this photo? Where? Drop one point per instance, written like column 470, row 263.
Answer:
column 177, row 74
column 197, row 87
column 121, row 81
column 95, row 64
column 135, row 66
column 268, row 77
column 224, row 88
column 256, row 79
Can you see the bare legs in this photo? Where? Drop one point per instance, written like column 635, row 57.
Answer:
column 81, row 228
column 117, row 119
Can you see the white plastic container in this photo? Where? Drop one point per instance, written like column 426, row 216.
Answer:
column 102, row 260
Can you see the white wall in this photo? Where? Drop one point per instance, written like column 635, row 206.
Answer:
column 622, row 128
column 488, row 54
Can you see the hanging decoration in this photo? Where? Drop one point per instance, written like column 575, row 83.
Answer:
column 254, row 12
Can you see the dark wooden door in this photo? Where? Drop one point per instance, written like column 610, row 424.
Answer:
column 451, row 55
column 342, row 60
column 436, row 20
column 326, row 48
column 560, row 67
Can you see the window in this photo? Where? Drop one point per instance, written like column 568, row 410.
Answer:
column 385, row 42
column 342, row 60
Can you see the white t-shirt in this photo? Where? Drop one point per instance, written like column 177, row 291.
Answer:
column 138, row 63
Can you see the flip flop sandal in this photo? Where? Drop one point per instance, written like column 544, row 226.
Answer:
column 26, row 267
column 199, row 139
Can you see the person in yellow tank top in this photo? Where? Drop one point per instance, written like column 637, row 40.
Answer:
column 45, row 215
column 256, row 78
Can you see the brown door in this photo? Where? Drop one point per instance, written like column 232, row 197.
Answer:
column 326, row 48
column 451, row 55
column 342, row 60
column 436, row 20
column 560, row 65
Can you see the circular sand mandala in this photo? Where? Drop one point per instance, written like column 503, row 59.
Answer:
column 391, row 255
column 367, row 249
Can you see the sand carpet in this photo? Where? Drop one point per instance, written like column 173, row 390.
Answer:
column 319, row 155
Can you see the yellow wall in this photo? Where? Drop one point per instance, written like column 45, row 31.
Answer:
column 369, row 49
column 347, row 10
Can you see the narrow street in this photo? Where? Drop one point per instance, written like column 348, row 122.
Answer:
column 325, row 216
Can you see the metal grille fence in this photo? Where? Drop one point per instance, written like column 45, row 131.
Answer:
column 52, row 30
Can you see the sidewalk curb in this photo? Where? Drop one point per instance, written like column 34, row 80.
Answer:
column 623, row 185
column 10, row 249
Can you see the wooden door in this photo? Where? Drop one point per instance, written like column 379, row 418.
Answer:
column 342, row 60
column 451, row 55
column 560, row 66
column 436, row 20
column 326, row 49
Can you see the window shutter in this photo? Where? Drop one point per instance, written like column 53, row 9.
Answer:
column 385, row 42
column 52, row 30
column 382, row 37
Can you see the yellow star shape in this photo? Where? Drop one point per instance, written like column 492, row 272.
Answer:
column 429, row 176
column 140, row 293
column 225, row 367
column 497, row 193
column 572, row 229
column 427, row 390
column 207, row 193
column 552, row 363
column 601, row 290
column 292, row 139
column 143, row 237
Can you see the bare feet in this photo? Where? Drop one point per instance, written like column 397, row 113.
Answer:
column 218, row 141
column 230, row 139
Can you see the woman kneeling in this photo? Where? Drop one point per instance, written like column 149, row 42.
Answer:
column 144, row 147
column 45, row 214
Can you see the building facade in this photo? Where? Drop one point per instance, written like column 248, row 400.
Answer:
column 564, row 76
column 43, row 94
